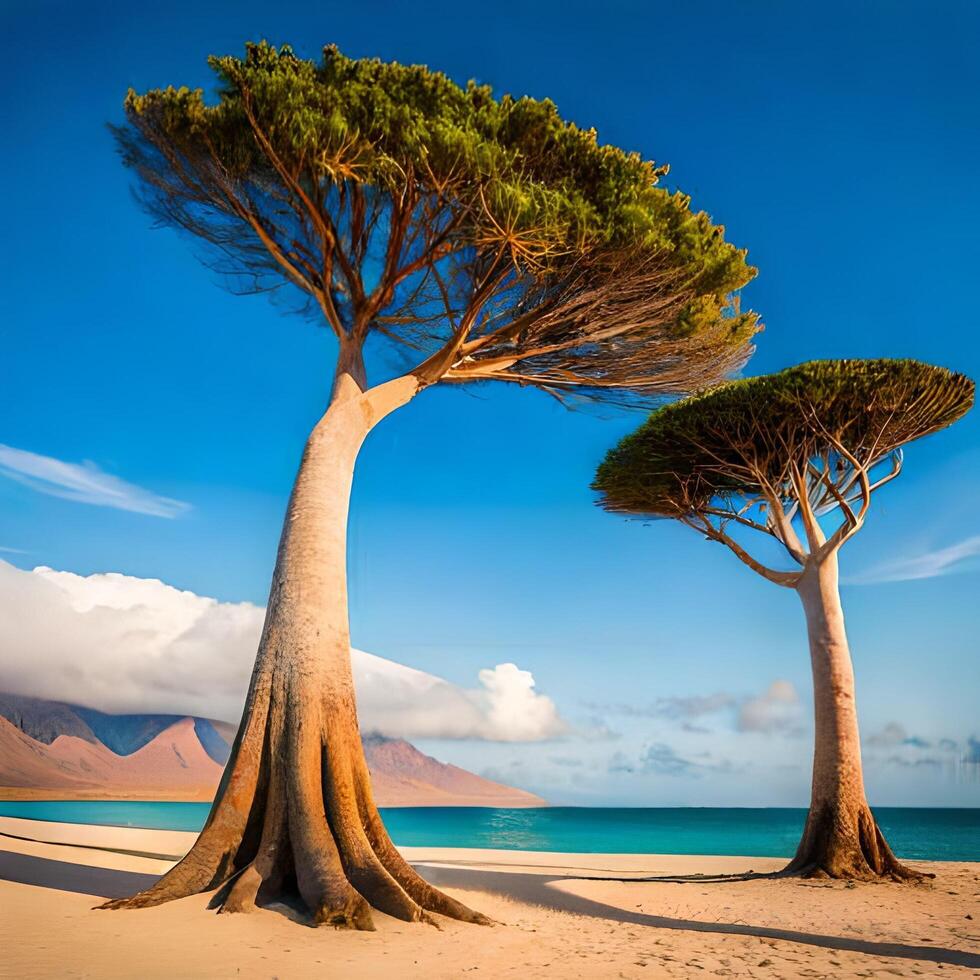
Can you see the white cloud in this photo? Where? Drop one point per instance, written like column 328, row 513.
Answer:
column 929, row 564
column 777, row 710
column 125, row 644
column 512, row 705
column 397, row 700
column 83, row 482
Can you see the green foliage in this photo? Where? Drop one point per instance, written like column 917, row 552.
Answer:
column 729, row 440
column 502, row 171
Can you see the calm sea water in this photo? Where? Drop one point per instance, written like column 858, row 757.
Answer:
column 924, row 834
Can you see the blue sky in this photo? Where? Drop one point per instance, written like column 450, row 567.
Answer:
column 837, row 142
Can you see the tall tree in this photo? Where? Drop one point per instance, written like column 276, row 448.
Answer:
column 469, row 239
column 796, row 456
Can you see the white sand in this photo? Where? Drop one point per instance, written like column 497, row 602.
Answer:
column 551, row 924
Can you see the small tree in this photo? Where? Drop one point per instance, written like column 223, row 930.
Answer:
column 779, row 454
column 469, row 239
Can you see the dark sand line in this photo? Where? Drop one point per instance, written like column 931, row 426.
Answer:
column 95, row 847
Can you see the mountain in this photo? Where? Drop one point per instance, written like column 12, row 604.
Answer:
column 123, row 734
column 403, row 776
column 172, row 765
column 53, row 750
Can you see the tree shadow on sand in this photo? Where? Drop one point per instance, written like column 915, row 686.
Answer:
column 529, row 888
column 534, row 889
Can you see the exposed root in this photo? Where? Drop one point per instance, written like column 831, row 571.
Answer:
column 141, row 900
column 310, row 838
column 429, row 921
column 355, row 913
column 240, row 894
column 846, row 844
column 429, row 898
column 415, row 886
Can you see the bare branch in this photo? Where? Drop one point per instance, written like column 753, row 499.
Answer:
column 787, row 579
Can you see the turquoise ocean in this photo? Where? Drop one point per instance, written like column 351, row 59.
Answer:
column 914, row 833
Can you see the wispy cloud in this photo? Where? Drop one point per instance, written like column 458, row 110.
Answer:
column 694, row 706
column 894, row 734
column 664, row 760
column 13, row 551
column 914, row 751
column 928, row 564
column 84, row 483
column 777, row 710
column 661, row 759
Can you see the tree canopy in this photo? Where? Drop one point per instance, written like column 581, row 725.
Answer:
column 765, row 451
column 481, row 237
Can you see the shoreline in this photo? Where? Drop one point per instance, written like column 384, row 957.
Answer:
column 24, row 794
column 935, row 834
column 173, row 844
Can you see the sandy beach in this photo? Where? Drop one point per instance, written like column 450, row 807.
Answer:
column 557, row 917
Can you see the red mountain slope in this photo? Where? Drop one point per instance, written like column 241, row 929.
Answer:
column 403, row 776
column 175, row 766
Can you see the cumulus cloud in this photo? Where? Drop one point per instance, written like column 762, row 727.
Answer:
column 928, row 564
column 777, row 710
column 84, row 483
column 125, row 644
column 396, row 700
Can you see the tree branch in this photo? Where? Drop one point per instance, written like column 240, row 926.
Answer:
column 786, row 536
column 814, row 533
column 787, row 579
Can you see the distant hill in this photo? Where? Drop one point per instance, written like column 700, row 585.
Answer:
column 54, row 750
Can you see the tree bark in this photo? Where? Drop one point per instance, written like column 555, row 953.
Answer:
column 294, row 819
column 841, row 838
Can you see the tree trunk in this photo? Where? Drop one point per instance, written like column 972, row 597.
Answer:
column 294, row 818
column 841, row 838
